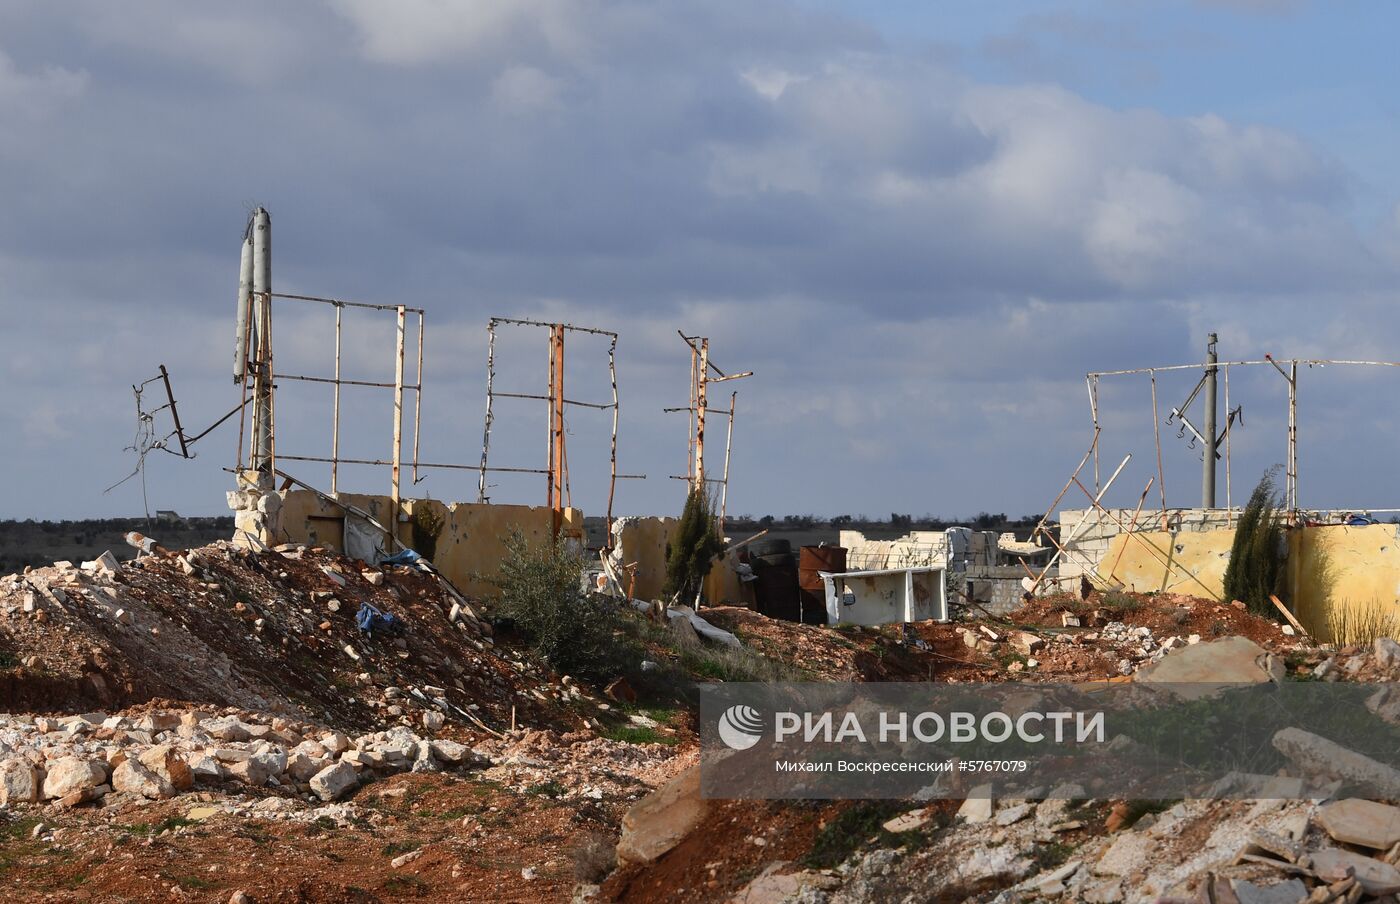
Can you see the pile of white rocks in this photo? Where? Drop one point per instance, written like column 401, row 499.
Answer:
column 71, row 760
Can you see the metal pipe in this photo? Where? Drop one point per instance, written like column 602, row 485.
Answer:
column 418, row 399
column 728, row 444
column 700, row 406
column 398, row 414
column 335, row 406
column 262, row 286
column 1208, row 459
column 1093, row 383
column 1229, row 503
column 486, row 433
column 245, row 289
column 1157, row 438
column 612, row 457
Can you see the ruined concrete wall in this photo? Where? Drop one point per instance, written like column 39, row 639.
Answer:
column 1340, row 573
column 468, row 548
column 996, row 588
column 1097, row 530
column 645, row 541
column 1189, row 562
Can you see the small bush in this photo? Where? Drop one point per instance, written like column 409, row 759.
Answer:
column 594, row 857
column 1255, row 570
column 575, row 632
column 1117, row 602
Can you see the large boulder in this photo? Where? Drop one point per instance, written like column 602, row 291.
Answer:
column 70, row 774
column 133, row 778
column 169, row 763
column 21, row 782
column 334, row 781
column 662, row 819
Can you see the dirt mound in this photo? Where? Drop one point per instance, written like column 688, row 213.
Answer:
column 1165, row 614
column 265, row 631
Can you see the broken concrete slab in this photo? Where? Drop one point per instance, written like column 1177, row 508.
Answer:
column 1361, row 822
column 662, row 819
column 1204, row 669
column 1376, row 876
column 1290, row 891
column 1317, row 755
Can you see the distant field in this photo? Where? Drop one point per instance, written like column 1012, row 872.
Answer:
column 41, row 542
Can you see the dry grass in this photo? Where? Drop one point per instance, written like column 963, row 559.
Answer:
column 1360, row 624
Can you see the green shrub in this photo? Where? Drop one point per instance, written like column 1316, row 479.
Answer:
column 575, row 632
column 1255, row 570
column 693, row 548
column 427, row 527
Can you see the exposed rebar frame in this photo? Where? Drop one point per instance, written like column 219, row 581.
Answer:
column 262, row 358
column 1286, row 367
column 700, row 379
column 558, row 491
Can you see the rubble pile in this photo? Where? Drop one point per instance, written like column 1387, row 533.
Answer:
column 71, row 760
column 266, row 631
column 1194, row 851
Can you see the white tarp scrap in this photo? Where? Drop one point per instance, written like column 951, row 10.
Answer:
column 702, row 627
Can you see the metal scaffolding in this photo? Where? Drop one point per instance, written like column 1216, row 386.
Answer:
column 700, row 369
column 558, row 491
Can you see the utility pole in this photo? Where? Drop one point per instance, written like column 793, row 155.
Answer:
column 1208, row 469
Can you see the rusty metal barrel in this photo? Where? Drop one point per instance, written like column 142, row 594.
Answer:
column 811, row 560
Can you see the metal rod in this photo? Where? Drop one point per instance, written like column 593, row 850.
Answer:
column 1044, row 518
column 1229, row 505
column 728, row 443
column 700, row 409
column 174, row 413
column 338, row 302
column 1268, row 359
column 1079, row 528
column 398, row 413
column 1137, row 513
column 549, row 432
column 335, row 408
column 564, row 326
column 612, row 456
column 301, row 378
column 418, row 399
column 1157, row 439
column 544, row 398
column 1208, row 459
column 490, row 380
column 1093, row 383
column 1293, row 437
column 557, row 421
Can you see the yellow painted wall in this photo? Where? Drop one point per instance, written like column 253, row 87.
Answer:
column 1334, row 573
column 1189, row 562
column 1345, row 572
column 644, row 540
column 471, row 544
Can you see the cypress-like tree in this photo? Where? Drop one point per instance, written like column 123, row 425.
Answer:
column 692, row 548
column 1255, row 569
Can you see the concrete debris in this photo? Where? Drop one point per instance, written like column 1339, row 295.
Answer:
column 663, row 819
column 1361, row 822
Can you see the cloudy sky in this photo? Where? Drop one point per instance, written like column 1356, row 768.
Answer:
column 919, row 224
